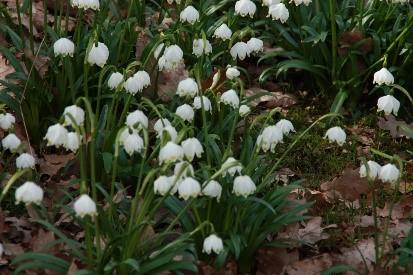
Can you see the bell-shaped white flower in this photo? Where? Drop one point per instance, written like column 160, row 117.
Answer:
column 240, row 50
column 170, row 2
column 143, row 78
column 7, row 121
column 383, row 77
column 230, row 98
column 132, row 85
column 25, row 161
column 186, row 112
column 171, row 152
column 374, row 170
column 115, row 80
column 205, row 101
column 74, row 112
column 389, row 173
column 299, row 2
column 189, row 188
column 170, row 132
column 388, row 104
column 286, row 126
column 29, row 193
column 11, row 142
column 201, row 46
column 187, row 88
column 279, row 12
column 223, row 32
column 231, row 166
column 160, row 124
column 63, row 47
column 171, row 58
column 243, row 186
column 86, row 4
column 158, row 50
column 269, row 138
column 183, row 169
column 213, row 243
column 213, row 190
column 85, row 206
column 190, row 15
column 336, row 134
column 163, row 185
column 73, row 142
column 244, row 110
column 98, row 54
column 137, row 119
column 245, row 7
column 255, row 45
column 232, row 73
column 132, row 142
column 192, row 147
column 56, row 135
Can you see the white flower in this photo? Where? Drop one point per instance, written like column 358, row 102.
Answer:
column 244, row 110
column 73, row 142
column 160, row 124
column 286, row 126
column 85, row 206
column 201, row 46
column 164, row 185
column 115, row 80
column 98, row 54
column 230, row 98
column 231, row 166
column 63, row 47
column 171, row 152
column 11, row 142
column 270, row 2
column 158, row 50
column 388, row 104
column 171, row 133
column 299, row 2
column 190, row 15
column 269, row 138
column 213, row 243
column 389, row 173
column 189, row 188
column 143, row 78
column 232, row 73
column 223, row 32
column 215, row 79
column 86, row 4
column 240, row 50
column 171, row 58
column 25, row 161
column 279, row 12
column 243, row 186
column 187, row 88
column 245, row 7
column 205, row 101
column 132, row 142
column 383, row 77
column 186, row 112
column 76, row 113
column 137, row 119
column 7, row 120
column 374, row 170
column 132, row 85
column 336, row 134
column 29, row 193
column 183, row 169
column 255, row 45
column 56, row 135
column 192, row 147
column 213, row 190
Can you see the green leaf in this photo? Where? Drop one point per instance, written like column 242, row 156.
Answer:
column 338, row 269
column 107, row 161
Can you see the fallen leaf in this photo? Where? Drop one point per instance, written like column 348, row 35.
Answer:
column 401, row 209
column 41, row 240
column 272, row 260
column 390, row 123
column 313, row 232
column 271, row 100
column 311, row 266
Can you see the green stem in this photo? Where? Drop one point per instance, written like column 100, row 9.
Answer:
column 334, row 39
column 31, row 25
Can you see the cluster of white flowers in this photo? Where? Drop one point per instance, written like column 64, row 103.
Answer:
column 387, row 173
column 57, row 135
column 388, row 103
column 137, row 82
column 200, row 47
column 86, row 4
column 172, row 56
column 274, row 134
